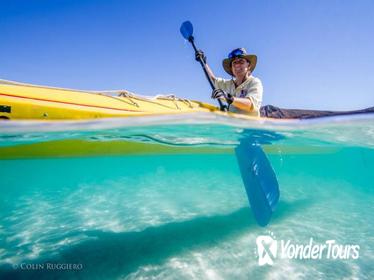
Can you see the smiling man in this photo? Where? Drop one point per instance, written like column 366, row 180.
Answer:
column 243, row 92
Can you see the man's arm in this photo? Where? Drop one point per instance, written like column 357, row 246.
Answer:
column 244, row 104
column 199, row 55
column 210, row 73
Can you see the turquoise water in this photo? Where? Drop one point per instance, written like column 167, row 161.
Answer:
column 180, row 212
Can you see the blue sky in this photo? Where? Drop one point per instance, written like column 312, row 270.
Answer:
column 311, row 54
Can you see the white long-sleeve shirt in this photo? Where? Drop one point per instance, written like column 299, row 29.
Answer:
column 250, row 88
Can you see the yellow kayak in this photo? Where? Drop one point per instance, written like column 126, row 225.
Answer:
column 26, row 101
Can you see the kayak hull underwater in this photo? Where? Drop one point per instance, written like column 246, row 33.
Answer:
column 85, row 148
column 24, row 101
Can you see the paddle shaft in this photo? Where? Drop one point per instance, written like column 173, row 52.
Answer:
column 203, row 64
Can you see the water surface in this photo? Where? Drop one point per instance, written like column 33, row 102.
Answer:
column 162, row 197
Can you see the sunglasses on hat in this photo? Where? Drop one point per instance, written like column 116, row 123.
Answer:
column 237, row 53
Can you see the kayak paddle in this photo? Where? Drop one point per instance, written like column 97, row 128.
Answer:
column 259, row 179
column 187, row 29
column 258, row 176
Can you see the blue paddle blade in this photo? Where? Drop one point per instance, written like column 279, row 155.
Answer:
column 259, row 179
column 186, row 29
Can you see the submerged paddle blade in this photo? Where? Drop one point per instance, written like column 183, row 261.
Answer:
column 186, row 30
column 259, row 179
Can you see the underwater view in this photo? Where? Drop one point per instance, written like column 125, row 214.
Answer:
column 163, row 198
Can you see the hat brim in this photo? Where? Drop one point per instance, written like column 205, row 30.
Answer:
column 249, row 57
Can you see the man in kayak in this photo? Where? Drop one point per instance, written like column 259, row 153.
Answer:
column 243, row 92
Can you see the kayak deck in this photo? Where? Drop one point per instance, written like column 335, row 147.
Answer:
column 24, row 101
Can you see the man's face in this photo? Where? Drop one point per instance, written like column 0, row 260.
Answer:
column 240, row 66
